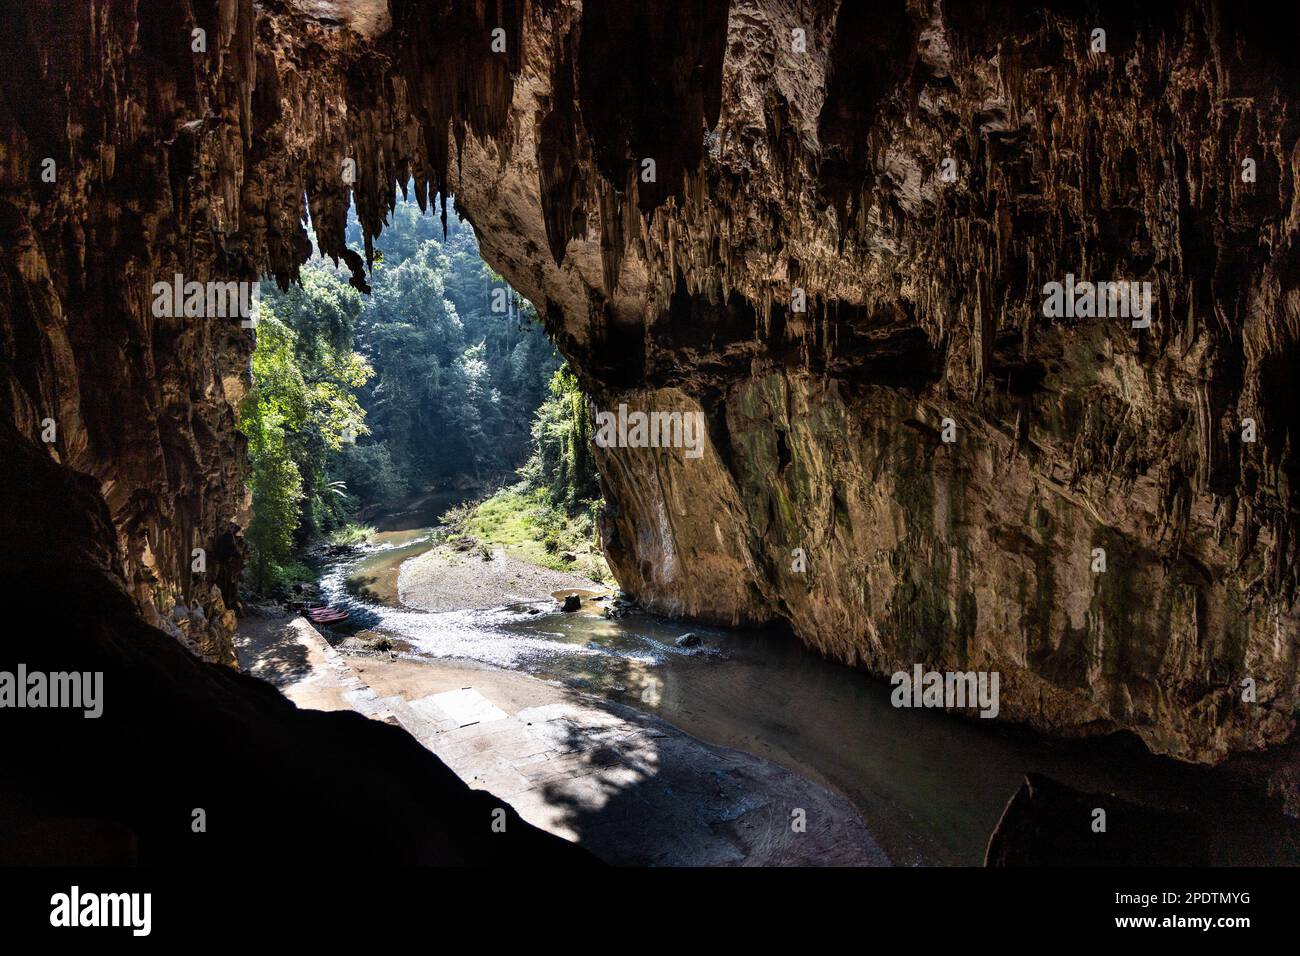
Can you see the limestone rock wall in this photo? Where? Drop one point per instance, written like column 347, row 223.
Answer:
column 825, row 172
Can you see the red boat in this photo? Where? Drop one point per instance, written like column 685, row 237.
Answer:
column 327, row 615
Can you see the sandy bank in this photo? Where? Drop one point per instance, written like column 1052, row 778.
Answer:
column 446, row 580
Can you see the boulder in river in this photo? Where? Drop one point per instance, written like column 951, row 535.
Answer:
column 689, row 639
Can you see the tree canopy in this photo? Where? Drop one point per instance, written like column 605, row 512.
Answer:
column 441, row 377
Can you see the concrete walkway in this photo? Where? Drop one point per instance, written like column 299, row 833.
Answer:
column 291, row 654
column 627, row 786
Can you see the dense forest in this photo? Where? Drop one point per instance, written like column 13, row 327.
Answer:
column 441, row 378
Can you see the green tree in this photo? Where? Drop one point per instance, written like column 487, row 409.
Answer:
column 301, row 411
column 562, row 460
column 456, row 384
column 275, row 406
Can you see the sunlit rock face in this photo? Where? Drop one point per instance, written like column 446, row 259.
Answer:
column 921, row 172
column 912, row 174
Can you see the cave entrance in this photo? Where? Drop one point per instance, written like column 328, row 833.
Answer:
column 433, row 407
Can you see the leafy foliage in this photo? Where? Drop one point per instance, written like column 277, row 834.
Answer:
column 562, row 461
column 456, row 383
column 530, row 526
column 301, row 410
column 549, row 517
column 360, row 400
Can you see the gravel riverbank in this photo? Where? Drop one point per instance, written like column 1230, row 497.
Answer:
column 445, row 579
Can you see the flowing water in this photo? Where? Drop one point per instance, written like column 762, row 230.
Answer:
column 929, row 785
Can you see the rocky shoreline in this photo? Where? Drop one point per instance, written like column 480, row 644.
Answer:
column 625, row 785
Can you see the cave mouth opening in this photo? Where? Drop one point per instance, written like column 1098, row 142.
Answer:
column 431, row 398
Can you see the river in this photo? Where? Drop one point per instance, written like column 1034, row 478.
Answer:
column 929, row 785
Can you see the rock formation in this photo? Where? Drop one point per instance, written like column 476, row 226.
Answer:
column 914, row 175
column 838, row 255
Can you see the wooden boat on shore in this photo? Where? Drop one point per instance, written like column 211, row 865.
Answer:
column 326, row 615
